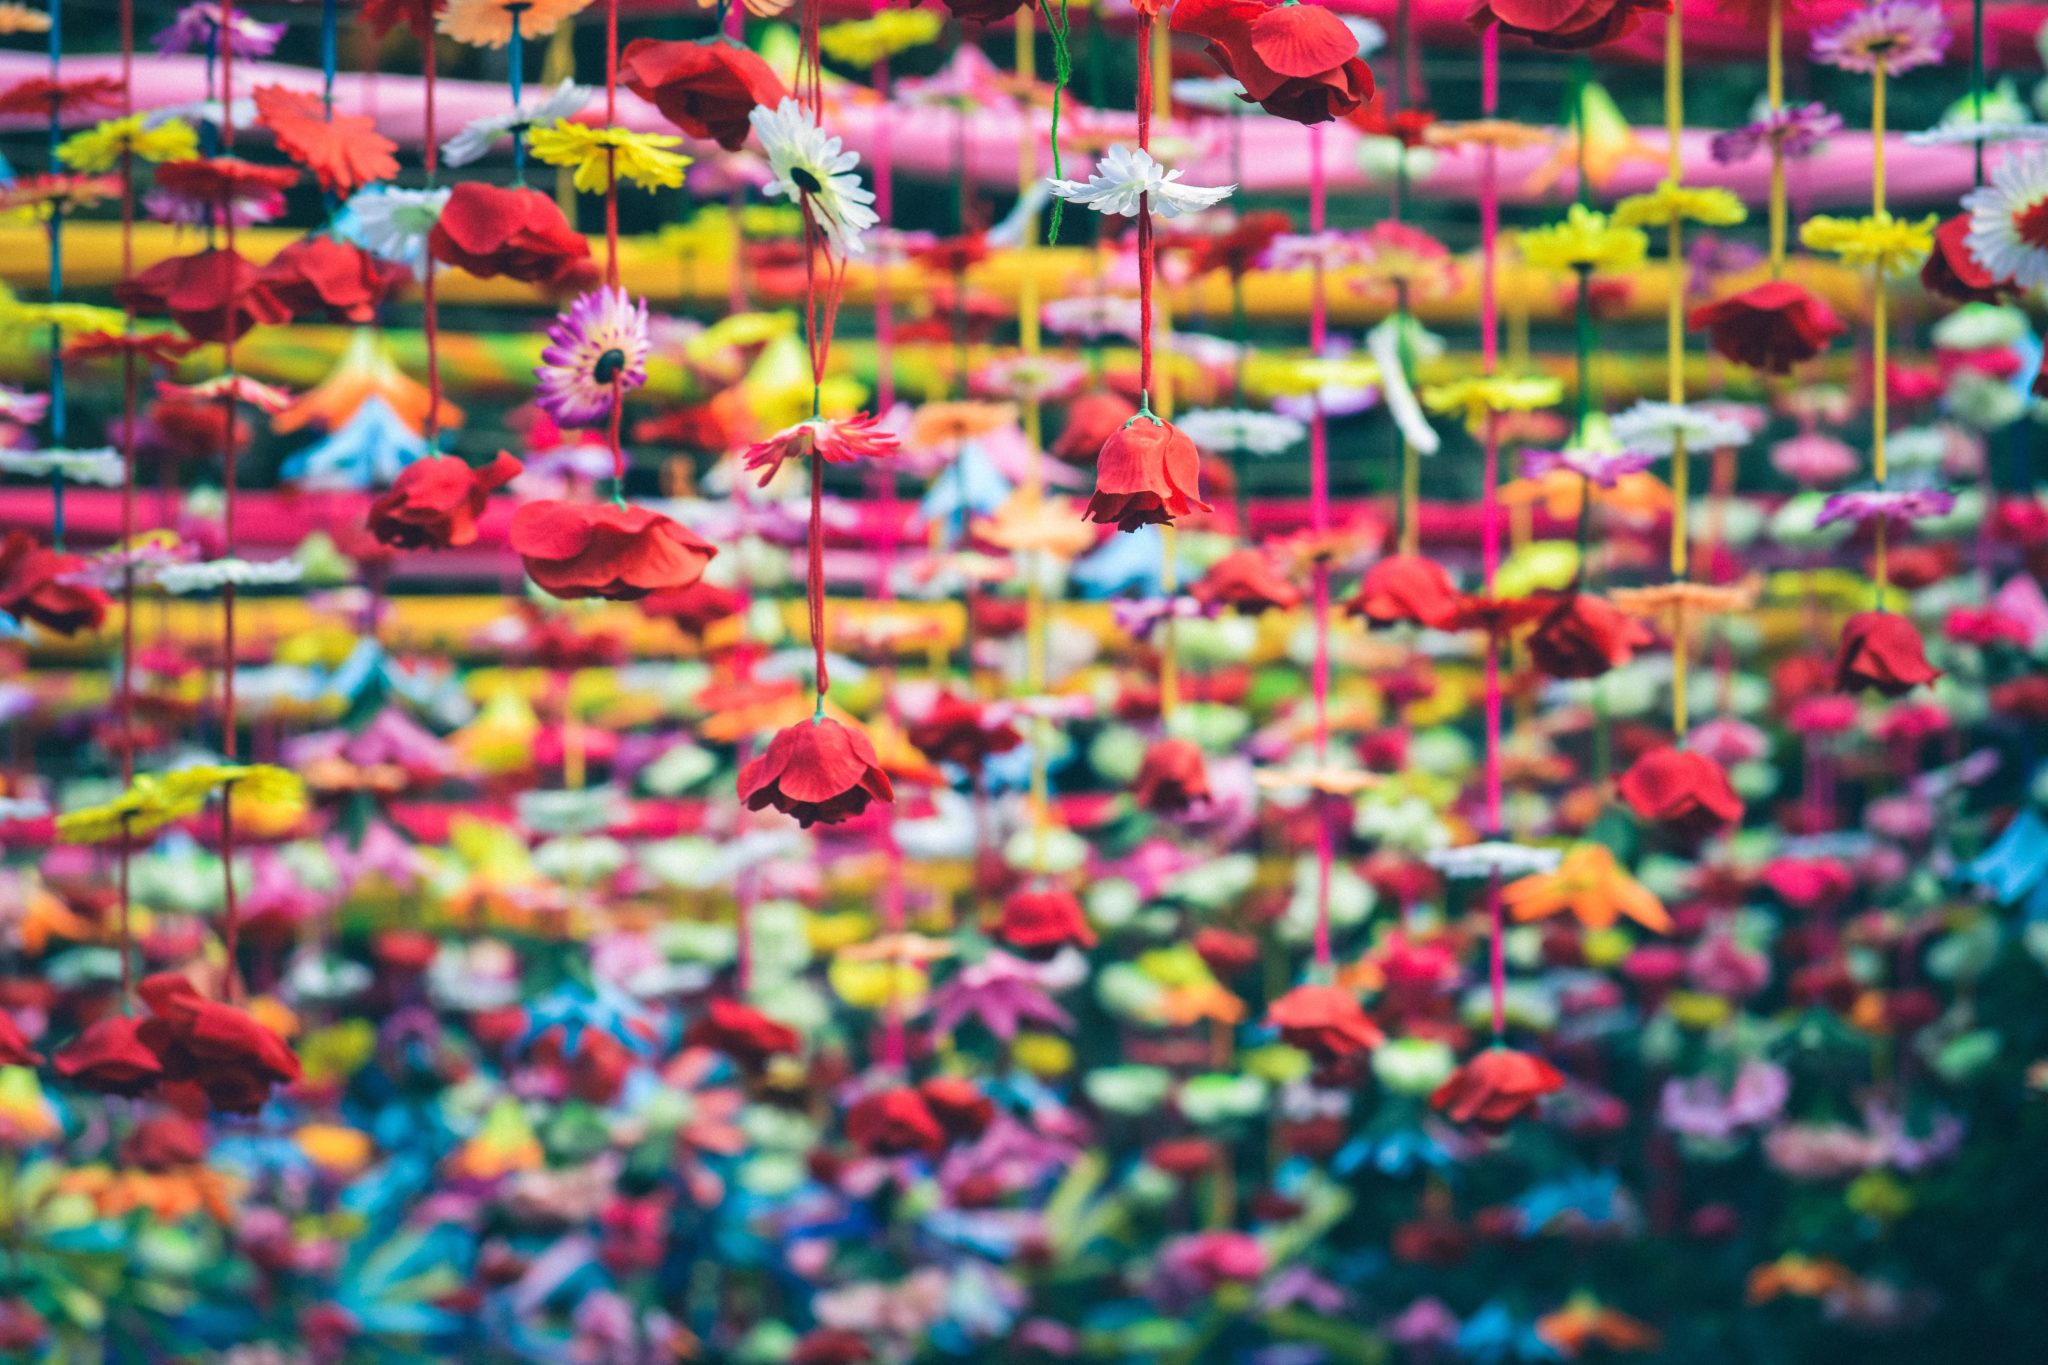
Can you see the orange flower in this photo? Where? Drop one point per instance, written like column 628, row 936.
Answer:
column 1804, row 1277
column 1592, row 886
column 1582, row 1323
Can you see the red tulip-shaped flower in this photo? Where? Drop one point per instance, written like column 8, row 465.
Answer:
column 434, row 503
column 1148, row 472
column 1681, row 792
column 1495, row 1088
column 1881, row 651
column 574, row 549
column 820, row 771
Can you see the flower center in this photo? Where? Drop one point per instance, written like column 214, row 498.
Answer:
column 805, row 179
column 2031, row 223
column 609, row 366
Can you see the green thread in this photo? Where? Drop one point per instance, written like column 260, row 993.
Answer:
column 1062, row 73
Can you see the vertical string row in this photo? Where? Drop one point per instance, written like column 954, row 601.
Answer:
column 1681, row 458
column 1319, row 526
column 230, row 912
column 1489, row 515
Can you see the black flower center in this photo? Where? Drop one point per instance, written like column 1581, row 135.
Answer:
column 609, row 365
column 804, row 180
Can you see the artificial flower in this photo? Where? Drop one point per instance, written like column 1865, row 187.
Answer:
column 1126, row 180
column 597, row 350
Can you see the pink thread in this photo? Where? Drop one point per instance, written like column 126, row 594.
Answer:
column 1489, row 340
column 1319, row 522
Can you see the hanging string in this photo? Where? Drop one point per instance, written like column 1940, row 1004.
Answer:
column 1062, row 30
column 1681, row 458
column 56, row 235
column 611, row 237
column 1774, row 92
column 230, row 913
column 1880, row 325
column 128, row 396
column 515, row 76
column 1319, row 526
column 430, row 309
column 1489, row 347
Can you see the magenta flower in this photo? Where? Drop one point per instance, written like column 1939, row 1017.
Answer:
column 1860, row 505
column 598, row 350
column 1603, row 467
column 1000, row 991
column 1797, row 129
column 197, row 28
column 1892, row 35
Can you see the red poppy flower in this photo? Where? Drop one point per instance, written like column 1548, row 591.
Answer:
column 109, row 1058
column 1583, row 636
column 695, row 608
column 513, row 231
column 1495, row 1088
column 434, row 503
column 743, row 1033
column 1091, row 420
column 15, row 1049
column 1245, row 579
column 820, row 771
column 1771, row 327
column 223, row 180
column 322, row 276
column 343, row 151
column 1881, row 651
column 575, row 549
column 1682, row 792
column 706, row 88
column 959, row 1106
column 39, row 96
column 1566, row 25
column 212, row 294
column 33, row 587
column 1952, row 271
column 962, row 731
column 223, row 1050
column 1296, row 61
column 1172, row 777
column 1407, row 588
column 1326, row 1022
column 895, row 1123
column 1040, row 923
column 1146, row 473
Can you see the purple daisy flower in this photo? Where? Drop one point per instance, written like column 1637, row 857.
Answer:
column 598, row 348
column 1603, row 467
column 1797, row 128
column 1862, row 505
column 1894, row 35
column 196, row 27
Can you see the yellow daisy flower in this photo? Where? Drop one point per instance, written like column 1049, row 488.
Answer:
column 1585, row 240
column 259, row 782
column 146, row 806
column 863, row 42
column 643, row 158
column 100, row 148
column 1475, row 397
column 1892, row 246
column 1672, row 203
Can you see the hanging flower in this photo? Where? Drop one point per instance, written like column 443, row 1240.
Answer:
column 1124, row 179
column 1660, row 427
column 1682, row 792
column 1585, row 240
column 488, row 23
column 1147, row 473
column 1864, row 505
column 708, row 89
column 1297, row 62
column 1584, row 637
column 1172, row 777
column 1953, row 272
column 596, row 350
column 1327, row 1022
column 326, row 277
column 1881, row 652
column 109, row 1058
column 395, row 223
column 2008, row 232
column 101, row 148
column 1495, row 1088
column 512, row 231
column 434, row 503
column 743, row 1033
column 1591, row 886
column 599, row 154
column 1239, row 431
column 201, row 28
column 815, row 172
column 1407, row 589
column 1601, row 468
column 1770, row 327
column 963, row 732
column 1477, row 397
column 479, row 135
column 343, row 151
column 1672, row 202
column 1246, row 580
column 145, row 807
column 1796, row 129
column 1891, row 246
column 36, row 584
column 820, row 771
column 835, row 441
column 576, row 550
column 1039, row 923
column 233, row 1059
column 1893, row 36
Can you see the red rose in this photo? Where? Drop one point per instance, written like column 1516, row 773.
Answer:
column 895, row 1123
column 1883, row 651
column 1495, row 1088
column 1583, row 636
column 1771, row 327
column 820, row 771
column 706, row 88
column 110, row 1058
column 1299, row 62
column 1326, row 1022
column 1952, row 270
column 223, row 1050
column 322, row 276
column 212, row 294
column 1683, row 792
column 1172, row 778
column 33, row 587
column 959, row 1106
column 1245, row 579
column 1407, row 588
column 516, row 232
column 1566, row 25
column 434, row 503
column 961, row 731
column 1041, row 922
column 575, row 549
column 1147, row 472
column 743, row 1033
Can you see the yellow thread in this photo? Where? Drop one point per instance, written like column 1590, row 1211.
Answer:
column 1774, row 81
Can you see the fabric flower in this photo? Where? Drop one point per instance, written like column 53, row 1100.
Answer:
column 1125, row 180
column 1038, row 923
column 2008, row 234
column 512, row 231
column 1892, row 35
column 1297, row 62
column 36, row 585
column 596, row 349
column 1407, row 589
column 434, row 503
column 234, row 1060
column 820, row 771
column 1797, row 129
column 1883, row 652
column 603, row 550
column 323, row 277
column 1682, row 792
column 1891, row 246
column 598, row 156
column 963, row 732
column 110, row 1058
column 1953, row 272
column 1327, row 1022
column 835, row 441
column 1592, row 887
column 1496, row 1087
column 1172, row 777
column 1566, row 25
column 343, row 151
column 743, row 1033
column 1246, row 580
column 213, row 294
column 814, row 171
column 895, row 1122
column 708, row 89
column 1770, row 327
column 1146, row 473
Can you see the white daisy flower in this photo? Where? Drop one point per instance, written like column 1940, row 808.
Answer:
column 2009, row 219
column 814, row 171
column 1493, row 858
column 1240, row 431
column 1124, row 178
column 101, row 467
column 1658, row 427
column 478, row 136
column 393, row 223
column 213, row 574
